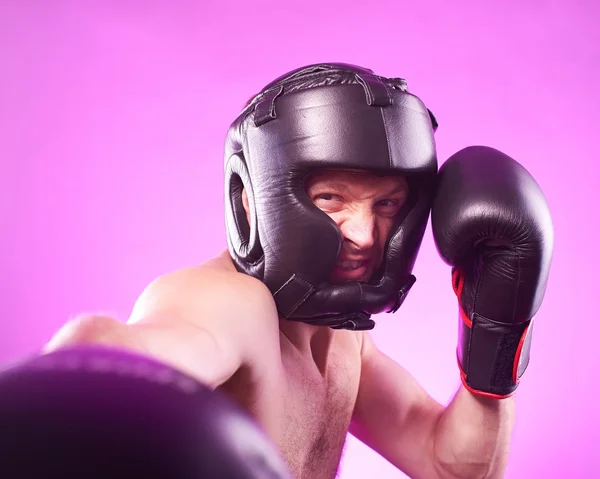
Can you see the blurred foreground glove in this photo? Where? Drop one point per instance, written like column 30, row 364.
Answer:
column 492, row 224
column 92, row 412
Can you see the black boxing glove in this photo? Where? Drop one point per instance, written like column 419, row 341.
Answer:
column 92, row 412
column 492, row 224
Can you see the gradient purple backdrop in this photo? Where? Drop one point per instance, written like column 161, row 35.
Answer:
column 112, row 120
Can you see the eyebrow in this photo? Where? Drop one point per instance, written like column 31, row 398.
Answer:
column 329, row 184
column 399, row 188
column 340, row 186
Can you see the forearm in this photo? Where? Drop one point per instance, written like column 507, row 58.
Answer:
column 185, row 347
column 472, row 437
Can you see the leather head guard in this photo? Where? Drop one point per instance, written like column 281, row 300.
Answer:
column 325, row 116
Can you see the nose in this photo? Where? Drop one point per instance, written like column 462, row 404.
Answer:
column 359, row 229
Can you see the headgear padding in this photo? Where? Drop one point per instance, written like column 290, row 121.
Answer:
column 325, row 116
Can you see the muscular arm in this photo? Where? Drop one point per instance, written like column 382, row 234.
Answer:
column 200, row 320
column 396, row 417
column 473, row 435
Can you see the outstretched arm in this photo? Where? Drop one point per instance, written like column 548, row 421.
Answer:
column 195, row 320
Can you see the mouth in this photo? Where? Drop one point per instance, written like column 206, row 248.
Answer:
column 351, row 270
column 350, row 265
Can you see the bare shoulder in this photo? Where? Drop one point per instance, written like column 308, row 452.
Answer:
column 206, row 295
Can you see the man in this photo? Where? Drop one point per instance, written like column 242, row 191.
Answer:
column 330, row 176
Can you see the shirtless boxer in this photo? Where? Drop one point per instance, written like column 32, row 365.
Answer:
column 279, row 321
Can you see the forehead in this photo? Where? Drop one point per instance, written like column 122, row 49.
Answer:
column 353, row 178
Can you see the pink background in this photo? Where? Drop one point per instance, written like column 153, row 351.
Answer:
column 112, row 120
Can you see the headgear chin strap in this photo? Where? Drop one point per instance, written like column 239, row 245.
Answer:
column 325, row 116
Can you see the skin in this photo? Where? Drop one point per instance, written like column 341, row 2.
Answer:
column 308, row 386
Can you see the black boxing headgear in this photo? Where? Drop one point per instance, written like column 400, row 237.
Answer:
column 325, row 116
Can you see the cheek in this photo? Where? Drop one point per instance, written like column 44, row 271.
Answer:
column 337, row 217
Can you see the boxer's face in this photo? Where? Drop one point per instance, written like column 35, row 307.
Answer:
column 364, row 206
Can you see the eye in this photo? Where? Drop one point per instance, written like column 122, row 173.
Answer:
column 389, row 206
column 327, row 197
column 327, row 200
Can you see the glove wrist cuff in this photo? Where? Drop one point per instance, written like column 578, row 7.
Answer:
column 493, row 356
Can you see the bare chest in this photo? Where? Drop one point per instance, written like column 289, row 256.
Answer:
column 307, row 408
column 316, row 414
